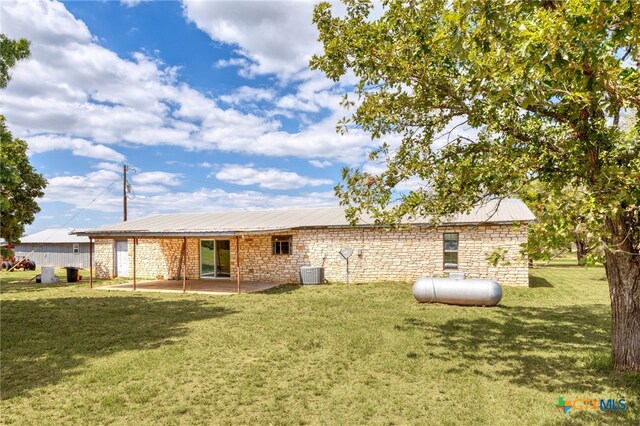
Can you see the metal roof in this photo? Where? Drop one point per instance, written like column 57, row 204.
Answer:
column 55, row 236
column 264, row 221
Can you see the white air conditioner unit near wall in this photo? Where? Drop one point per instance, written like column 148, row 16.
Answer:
column 311, row 275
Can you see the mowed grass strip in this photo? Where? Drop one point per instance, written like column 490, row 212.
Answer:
column 332, row 354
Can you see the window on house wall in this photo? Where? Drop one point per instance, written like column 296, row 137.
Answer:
column 450, row 244
column 281, row 244
column 76, row 249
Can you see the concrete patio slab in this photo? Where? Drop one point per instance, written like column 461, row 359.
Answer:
column 212, row 287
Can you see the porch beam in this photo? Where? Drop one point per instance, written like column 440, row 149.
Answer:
column 90, row 262
column 238, row 264
column 135, row 243
column 184, row 264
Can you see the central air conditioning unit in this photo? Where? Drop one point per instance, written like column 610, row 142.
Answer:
column 311, row 275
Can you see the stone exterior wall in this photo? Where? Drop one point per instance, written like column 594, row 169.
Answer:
column 103, row 257
column 160, row 258
column 379, row 255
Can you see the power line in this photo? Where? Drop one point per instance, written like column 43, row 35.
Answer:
column 76, row 215
column 85, row 207
column 90, row 202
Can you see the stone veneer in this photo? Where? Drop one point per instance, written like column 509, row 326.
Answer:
column 103, row 257
column 379, row 255
column 161, row 257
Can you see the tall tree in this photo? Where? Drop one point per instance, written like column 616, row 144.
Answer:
column 11, row 51
column 562, row 221
column 544, row 83
column 20, row 184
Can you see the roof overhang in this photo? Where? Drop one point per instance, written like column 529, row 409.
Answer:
column 142, row 233
column 178, row 234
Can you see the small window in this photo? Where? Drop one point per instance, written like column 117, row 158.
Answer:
column 450, row 250
column 281, row 244
column 76, row 249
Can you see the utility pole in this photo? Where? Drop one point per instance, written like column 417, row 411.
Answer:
column 124, row 191
column 126, row 188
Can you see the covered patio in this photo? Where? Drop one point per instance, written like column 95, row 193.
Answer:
column 202, row 286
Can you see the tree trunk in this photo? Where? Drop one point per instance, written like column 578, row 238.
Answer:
column 580, row 251
column 623, row 274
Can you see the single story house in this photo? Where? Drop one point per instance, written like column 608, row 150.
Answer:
column 272, row 246
column 54, row 247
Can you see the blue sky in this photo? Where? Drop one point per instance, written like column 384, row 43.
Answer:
column 211, row 102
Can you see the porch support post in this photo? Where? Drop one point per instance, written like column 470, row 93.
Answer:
column 184, row 264
column 135, row 243
column 238, row 264
column 90, row 262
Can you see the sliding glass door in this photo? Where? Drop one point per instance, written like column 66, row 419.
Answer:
column 215, row 258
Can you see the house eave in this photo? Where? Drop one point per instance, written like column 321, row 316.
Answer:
column 204, row 234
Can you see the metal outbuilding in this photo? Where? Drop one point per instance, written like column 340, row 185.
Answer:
column 55, row 247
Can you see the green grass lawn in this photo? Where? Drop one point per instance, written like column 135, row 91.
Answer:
column 332, row 354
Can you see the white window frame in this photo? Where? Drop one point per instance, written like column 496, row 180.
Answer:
column 450, row 265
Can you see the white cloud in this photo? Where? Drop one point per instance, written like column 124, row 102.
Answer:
column 55, row 27
column 155, row 178
column 132, row 3
column 100, row 191
column 320, row 164
column 318, row 140
column 411, row 184
column 103, row 165
column 73, row 86
column 94, row 190
column 74, row 89
column 374, row 168
column 314, row 93
column 242, row 63
column 248, row 94
column 80, row 147
column 295, row 103
column 147, row 189
column 269, row 178
column 272, row 36
column 207, row 199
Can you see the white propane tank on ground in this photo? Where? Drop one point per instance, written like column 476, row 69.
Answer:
column 472, row 292
column 47, row 275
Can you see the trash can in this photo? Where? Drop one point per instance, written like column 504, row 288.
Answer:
column 72, row 274
column 47, row 275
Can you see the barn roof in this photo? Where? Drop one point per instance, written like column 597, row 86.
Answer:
column 54, row 236
column 263, row 221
